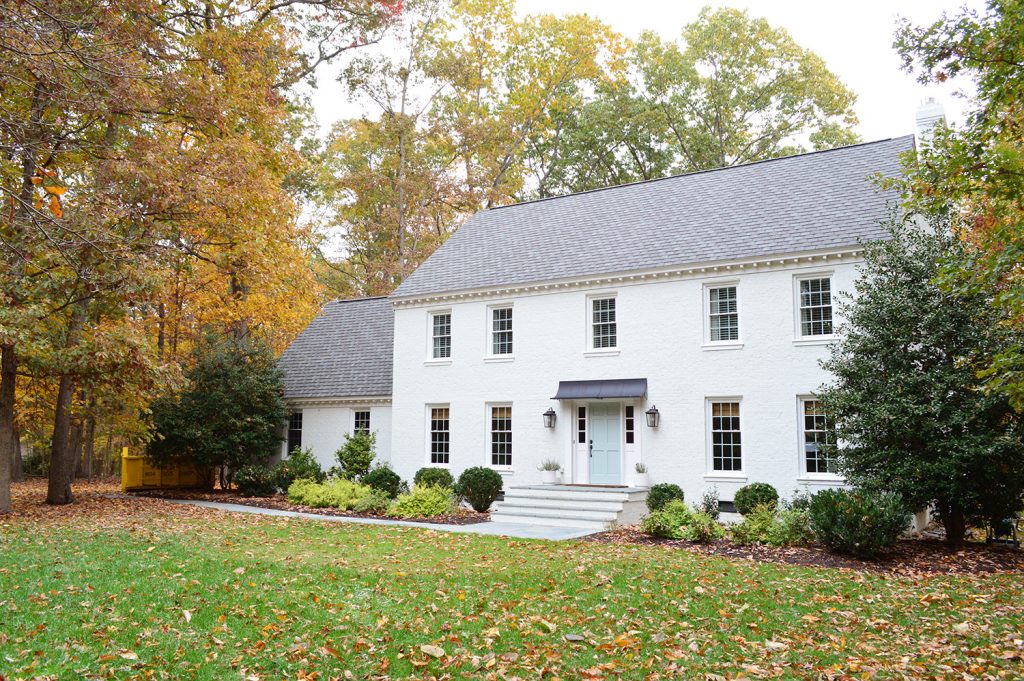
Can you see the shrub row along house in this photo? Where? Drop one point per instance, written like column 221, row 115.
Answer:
column 676, row 323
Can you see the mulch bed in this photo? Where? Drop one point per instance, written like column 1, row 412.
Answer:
column 909, row 556
column 279, row 502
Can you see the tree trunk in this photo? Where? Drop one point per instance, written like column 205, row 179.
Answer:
column 18, row 463
column 8, row 437
column 953, row 521
column 62, row 463
column 90, row 441
column 75, row 446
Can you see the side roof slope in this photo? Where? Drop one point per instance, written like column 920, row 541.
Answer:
column 793, row 204
column 345, row 351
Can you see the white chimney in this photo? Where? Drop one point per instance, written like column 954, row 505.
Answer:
column 929, row 115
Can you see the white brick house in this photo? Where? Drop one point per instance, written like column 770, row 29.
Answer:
column 708, row 297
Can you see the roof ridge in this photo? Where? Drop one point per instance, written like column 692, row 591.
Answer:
column 696, row 172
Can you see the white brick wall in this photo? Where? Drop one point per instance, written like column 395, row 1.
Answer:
column 660, row 337
column 324, row 427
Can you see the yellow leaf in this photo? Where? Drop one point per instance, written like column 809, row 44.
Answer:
column 55, row 207
column 57, row 191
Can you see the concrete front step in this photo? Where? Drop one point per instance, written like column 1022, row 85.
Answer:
column 576, row 513
column 598, row 525
column 579, row 493
column 557, row 502
column 599, row 508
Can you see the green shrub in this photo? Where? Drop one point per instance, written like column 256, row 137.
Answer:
column 800, row 501
column 479, row 486
column 857, row 521
column 792, row 528
column 439, row 477
column 709, row 503
column 676, row 520
column 662, row 493
column 758, row 526
column 423, row 501
column 384, row 479
column 755, row 494
column 377, row 501
column 255, row 481
column 356, row 456
column 337, row 493
column 300, row 464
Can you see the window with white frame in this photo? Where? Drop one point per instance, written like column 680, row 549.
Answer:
column 361, row 422
column 501, row 331
column 815, row 297
column 817, row 457
column 440, row 437
column 726, row 444
column 604, row 327
column 501, row 436
column 441, row 335
column 294, row 431
column 723, row 314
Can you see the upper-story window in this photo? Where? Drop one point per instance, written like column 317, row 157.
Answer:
column 501, row 330
column 441, row 335
column 817, row 458
column 361, row 422
column 603, row 324
column 440, row 435
column 723, row 314
column 294, row 431
column 726, row 442
column 815, row 297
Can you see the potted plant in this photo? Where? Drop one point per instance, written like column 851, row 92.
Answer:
column 641, row 479
column 549, row 469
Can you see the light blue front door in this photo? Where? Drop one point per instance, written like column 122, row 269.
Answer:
column 605, row 444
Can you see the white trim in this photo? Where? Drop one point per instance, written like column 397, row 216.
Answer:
column 430, row 336
column 802, row 474
column 812, row 339
column 427, row 434
column 487, row 436
column 709, row 463
column 709, row 344
column 339, row 401
column 591, row 298
column 604, row 352
column 352, row 417
column 489, row 355
column 498, row 359
column 722, row 476
column 782, row 261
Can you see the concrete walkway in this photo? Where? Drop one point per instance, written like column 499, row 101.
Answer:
column 515, row 530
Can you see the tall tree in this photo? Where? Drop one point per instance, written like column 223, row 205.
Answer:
column 977, row 172
column 905, row 403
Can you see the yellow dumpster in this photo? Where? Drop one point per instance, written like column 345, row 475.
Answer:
column 139, row 473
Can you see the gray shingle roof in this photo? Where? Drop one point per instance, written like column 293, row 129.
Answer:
column 345, row 351
column 794, row 204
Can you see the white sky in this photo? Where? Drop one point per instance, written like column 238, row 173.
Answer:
column 854, row 39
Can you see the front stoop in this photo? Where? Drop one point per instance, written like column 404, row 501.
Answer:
column 592, row 508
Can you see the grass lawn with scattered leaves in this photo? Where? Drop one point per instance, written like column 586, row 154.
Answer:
column 138, row 587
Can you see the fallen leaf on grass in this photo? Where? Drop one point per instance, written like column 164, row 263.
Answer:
column 433, row 651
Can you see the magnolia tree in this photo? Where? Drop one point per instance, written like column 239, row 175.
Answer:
column 907, row 404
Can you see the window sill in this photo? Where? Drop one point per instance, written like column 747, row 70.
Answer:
column 814, row 340
column 723, row 345
column 502, row 470
column 437, row 362
column 821, row 479
column 725, row 477
column 497, row 359
column 610, row 352
column 436, row 465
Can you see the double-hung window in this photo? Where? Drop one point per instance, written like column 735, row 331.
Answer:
column 361, row 422
column 501, row 436
column 501, row 331
column 294, row 431
column 441, row 335
column 723, row 314
column 817, row 458
column 815, row 300
column 726, row 442
column 603, row 324
column 440, row 437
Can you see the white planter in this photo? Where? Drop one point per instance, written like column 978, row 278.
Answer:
column 642, row 479
column 549, row 477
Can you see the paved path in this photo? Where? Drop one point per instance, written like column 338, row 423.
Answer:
column 516, row 530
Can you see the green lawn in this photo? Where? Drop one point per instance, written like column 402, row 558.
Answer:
column 225, row 597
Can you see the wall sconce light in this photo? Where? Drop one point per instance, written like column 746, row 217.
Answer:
column 549, row 418
column 653, row 417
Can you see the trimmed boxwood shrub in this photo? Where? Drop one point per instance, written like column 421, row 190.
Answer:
column 661, row 494
column 858, row 522
column 255, row 481
column 423, row 502
column 434, row 476
column 479, row 486
column 384, row 479
column 755, row 494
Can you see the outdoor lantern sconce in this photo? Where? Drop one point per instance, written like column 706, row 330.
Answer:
column 653, row 417
column 549, row 418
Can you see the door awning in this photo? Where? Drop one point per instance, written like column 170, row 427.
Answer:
column 605, row 389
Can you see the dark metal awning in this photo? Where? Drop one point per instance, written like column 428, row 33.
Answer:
column 597, row 390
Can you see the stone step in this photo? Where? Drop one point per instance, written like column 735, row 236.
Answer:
column 577, row 494
column 501, row 517
column 569, row 513
column 562, row 503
